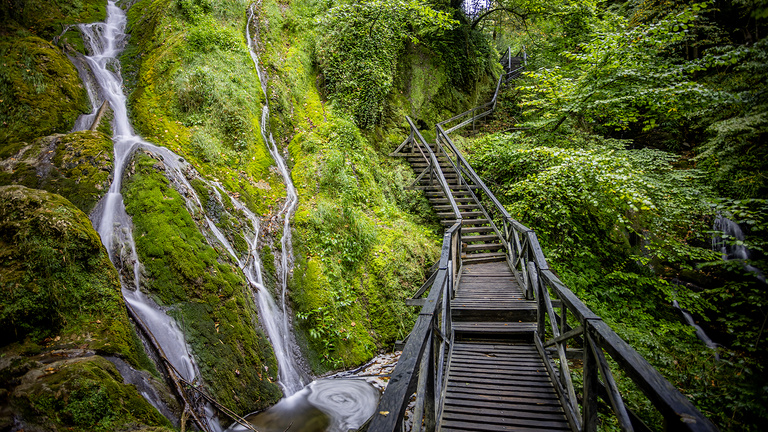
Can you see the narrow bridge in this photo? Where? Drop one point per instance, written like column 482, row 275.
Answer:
column 501, row 344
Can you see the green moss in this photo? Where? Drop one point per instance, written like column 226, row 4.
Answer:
column 207, row 107
column 85, row 394
column 47, row 18
column 358, row 252
column 58, row 285
column 40, row 90
column 76, row 166
column 208, row 295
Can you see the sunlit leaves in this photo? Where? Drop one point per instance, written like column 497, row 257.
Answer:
column 626, row 74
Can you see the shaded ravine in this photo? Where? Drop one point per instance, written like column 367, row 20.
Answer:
column 338, row 400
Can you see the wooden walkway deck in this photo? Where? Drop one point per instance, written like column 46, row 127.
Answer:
column 484, row 357
column 496, row 379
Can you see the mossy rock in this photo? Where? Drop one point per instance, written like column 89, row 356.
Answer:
column 40, row 92
column 57, row 285
column 47, row 18
column 198, row 94
column 206, row 292
column 81, row 394
column 76, row 166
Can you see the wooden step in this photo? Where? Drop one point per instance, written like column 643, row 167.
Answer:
column 465, row 215
column 473, row 222
column 437, row 188
column 470, row 248
column 460, row 206
column 435, row 201
column 468, row 329
column 493, row 311
column 479, row 238
column 476, row 229
column 439, row 197
column 483, row 257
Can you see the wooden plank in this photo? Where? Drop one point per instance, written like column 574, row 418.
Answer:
column 456, row 400
column 452, row 426
column 530, row 396
column 506, row 412
column 541, row 424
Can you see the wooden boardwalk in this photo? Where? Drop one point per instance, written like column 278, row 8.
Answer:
column 496, row 379
column 483, row 356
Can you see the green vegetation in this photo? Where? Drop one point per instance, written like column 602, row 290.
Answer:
column 359, row 46
column 48, row 18
column 359, row 253
column 76, row 166
column 193, row 89
column 643, row 122
column 83, row 394
column 57, row 280
column 40, row 92
column 208, row 297
column 59, row 298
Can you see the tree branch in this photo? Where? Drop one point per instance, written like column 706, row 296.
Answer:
column 490, row 11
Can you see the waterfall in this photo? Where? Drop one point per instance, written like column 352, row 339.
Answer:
column 104, row 42
column 697, row 328
column 280, row 334
column 733, row 250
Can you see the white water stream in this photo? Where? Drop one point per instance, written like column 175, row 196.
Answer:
column 104, row 42
column 733, row 250
column 285, row 350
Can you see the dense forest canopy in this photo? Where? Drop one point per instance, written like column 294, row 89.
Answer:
column 634, row 144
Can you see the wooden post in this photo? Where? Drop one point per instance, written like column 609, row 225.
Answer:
column 423, row 402
column 591, row 383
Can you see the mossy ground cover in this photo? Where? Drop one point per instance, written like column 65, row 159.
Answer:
column 40, row 92
column 76, row 166
column 359, row 251
column 47, row 18
column 83, row 394
column 193, row 89
column 206, row 294
column 57, row 279
column 60, row 297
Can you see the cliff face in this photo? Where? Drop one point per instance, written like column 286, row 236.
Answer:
column 361, row 240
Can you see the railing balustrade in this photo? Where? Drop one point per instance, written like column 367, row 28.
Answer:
column 566, row 328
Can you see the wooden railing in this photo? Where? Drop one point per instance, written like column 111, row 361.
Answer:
column 566, row 328
column 422, row 362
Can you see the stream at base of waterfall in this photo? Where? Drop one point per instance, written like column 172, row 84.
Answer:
column 333, row 404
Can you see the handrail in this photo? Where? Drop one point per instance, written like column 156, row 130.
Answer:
column 431, row 338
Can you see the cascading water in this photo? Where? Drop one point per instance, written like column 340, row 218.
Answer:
column 697, row 328
column 733, row 250
column 281, row 334
column 105, row 41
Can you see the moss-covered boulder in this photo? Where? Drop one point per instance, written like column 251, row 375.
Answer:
column 40, row 92
column 80, row 394
column 47, row 18
column 56, row 280
column 205, row 291
column 60, row 303
column 76, row 166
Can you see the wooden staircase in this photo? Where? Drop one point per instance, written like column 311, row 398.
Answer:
column 480, row 243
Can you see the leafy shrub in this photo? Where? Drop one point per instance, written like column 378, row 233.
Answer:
column 359, row 46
